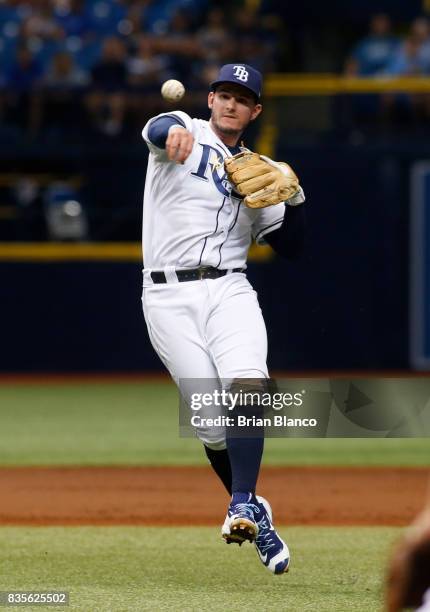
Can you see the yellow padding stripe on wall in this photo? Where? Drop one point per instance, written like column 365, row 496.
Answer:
column 111, row 251
column 279, row 84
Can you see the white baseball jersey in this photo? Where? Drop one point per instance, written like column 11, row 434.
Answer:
column 206, row 329
column 190, row 218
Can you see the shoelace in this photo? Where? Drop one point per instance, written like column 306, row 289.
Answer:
column 247, row 509
column 265, row 538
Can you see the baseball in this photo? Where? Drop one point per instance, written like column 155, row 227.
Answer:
column 172, row 90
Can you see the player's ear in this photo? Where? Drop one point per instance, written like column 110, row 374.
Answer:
column 210, row 99
column 257, row 110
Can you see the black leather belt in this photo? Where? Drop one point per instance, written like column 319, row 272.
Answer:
column 192, row 275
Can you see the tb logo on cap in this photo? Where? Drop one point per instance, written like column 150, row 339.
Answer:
column 241, row 73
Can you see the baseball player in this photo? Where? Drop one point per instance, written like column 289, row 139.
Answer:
column 205, row 198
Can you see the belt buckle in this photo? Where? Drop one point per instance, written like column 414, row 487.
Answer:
column 202, row 271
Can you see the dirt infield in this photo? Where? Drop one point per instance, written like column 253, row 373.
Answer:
column 192, row 495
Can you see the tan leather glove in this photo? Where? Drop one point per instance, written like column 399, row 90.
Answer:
column 262, row 181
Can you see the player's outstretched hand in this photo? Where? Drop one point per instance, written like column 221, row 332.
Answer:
column 179, row 144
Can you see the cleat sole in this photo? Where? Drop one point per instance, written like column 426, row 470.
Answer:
column 241, row 530
column 233, row 539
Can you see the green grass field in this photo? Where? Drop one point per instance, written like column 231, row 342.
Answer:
column 137, row 424
column 136, row 568
column 185, row 569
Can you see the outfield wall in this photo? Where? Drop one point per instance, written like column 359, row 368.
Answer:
column 345, row 305
column 86, row 316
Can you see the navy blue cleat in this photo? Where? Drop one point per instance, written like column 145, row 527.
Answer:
column 271, row 549
column 240, row 524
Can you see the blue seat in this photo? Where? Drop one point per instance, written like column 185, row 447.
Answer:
column 8, row 13
column 105, row 17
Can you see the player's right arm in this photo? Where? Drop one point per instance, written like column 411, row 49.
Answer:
column 169, row 132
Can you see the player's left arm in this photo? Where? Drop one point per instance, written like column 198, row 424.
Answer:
column 283, row 226
column 289, row 239
column 274, row 189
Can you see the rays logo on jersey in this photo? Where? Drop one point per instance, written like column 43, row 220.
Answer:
column 213, row 158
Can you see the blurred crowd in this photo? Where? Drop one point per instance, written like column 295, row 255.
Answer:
column 383, row 53
column 108, row 50
column 74, row 67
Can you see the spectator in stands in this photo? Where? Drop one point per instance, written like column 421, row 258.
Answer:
column 41, row 32
column 215, row 39
column 72, row 16
column 132, row 19
column 107, row 18
column 110, row 72
column 413, row 56
column 275, row 40
column 409, row 60
column 146, row 67
column 372, row 54
column 156, row 15
column 181, row 44
column 25, row 72
column 135, row 14
column 22, row 100
column 41, row 23
column 249, row 38
column 64, row 73
column 106, row 103
column 420, row 31
column 370, row 57
column 62, row 108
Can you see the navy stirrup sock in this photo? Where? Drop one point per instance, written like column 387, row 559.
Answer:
column 220, row 462
column 245, row 452
column 245, row 458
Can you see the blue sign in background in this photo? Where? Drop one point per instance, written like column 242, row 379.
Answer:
column 426, row 293
column 420, row 266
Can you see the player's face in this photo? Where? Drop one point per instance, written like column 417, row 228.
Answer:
column 233, row 108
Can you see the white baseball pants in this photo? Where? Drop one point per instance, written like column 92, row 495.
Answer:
column 209, row 329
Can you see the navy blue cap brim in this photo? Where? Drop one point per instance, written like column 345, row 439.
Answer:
column 215, row 84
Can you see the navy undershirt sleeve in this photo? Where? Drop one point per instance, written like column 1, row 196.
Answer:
column 159, row 129
column 288, row 240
